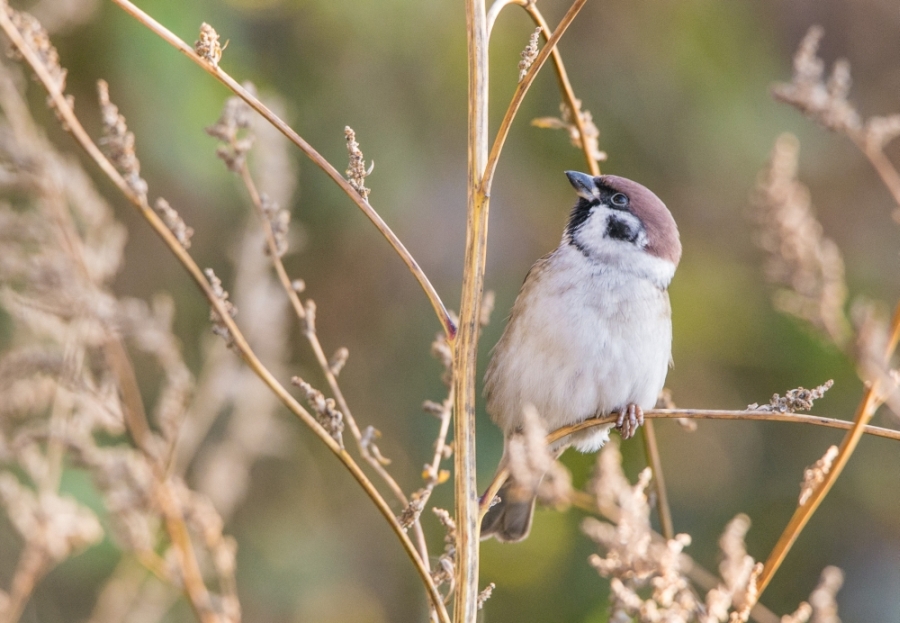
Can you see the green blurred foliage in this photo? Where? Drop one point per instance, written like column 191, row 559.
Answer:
column 679, row 91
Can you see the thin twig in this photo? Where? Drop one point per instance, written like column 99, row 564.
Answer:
column 306, row 148
column 659, row 481
column 698, row 414
column 885, row 169
column 74, row 127
column 870, row 401
column 519, row 95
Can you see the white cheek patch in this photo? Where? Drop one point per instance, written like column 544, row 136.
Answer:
column 593, row 234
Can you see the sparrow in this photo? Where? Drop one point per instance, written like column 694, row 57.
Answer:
column 590, row 332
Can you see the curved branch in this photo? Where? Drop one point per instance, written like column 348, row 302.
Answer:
column 216, row 72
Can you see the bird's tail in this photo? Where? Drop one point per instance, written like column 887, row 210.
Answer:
column 509, row 519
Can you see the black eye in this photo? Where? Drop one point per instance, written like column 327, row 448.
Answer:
column 619, row 200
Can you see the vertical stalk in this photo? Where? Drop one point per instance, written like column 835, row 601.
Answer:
column 466, row 344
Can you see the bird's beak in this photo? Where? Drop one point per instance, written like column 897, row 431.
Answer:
column 583, row 184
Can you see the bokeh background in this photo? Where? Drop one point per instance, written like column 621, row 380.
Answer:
column 680, row 93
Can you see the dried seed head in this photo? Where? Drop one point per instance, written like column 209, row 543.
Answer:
column 529, row 54
column 207, row 46
column 566, row 122
column 174, row 222
column 815, row 475
column 356, row 169
column 807, row 265
column 824, row 102
column 331, row 419
column 119, row 143
column 794, row 400
column 218, row 325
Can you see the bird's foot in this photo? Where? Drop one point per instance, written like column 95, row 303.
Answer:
column 630, row 418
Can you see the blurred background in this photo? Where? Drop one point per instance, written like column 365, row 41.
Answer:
column 680, row 93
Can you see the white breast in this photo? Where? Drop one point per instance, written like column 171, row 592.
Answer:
column 583, row 339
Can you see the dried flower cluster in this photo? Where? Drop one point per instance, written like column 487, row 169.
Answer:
column 445, row 572
column 647, row 579
column 232, row 131
column 825, row 101
column 815, row 475
column 38, row 41
column 327, row 414
column 218, row 325
column 527, row 455
column 174, row 222
column 799, row 256
column 566, row 121
column 119, row 143
column 529, row 54
column 356, row 169
column 794, row 400
column 207, row 46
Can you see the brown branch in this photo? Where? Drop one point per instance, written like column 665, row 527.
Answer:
column 701, row 414
column 662, row 497
column 74, row 127
column 215, row 71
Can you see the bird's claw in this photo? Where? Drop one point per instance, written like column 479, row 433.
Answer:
column 630, row 418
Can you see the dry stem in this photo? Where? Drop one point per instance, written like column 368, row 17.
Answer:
column 698, row 414
column 465, row 349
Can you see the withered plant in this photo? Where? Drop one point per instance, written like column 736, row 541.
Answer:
column 71, row 395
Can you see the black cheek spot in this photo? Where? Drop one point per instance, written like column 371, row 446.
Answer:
column 619, row 229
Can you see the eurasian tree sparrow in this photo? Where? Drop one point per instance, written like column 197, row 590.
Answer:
column 589, row 334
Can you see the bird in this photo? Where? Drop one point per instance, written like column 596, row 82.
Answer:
column 590, row 333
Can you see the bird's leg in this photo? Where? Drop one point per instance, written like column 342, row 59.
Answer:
column 630, row 418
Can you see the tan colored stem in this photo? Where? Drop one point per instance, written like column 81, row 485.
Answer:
column 659, row 482
column 868, row 404
column 465, row 348
column 697, row 414
column 309, row 151
column 74, row 127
